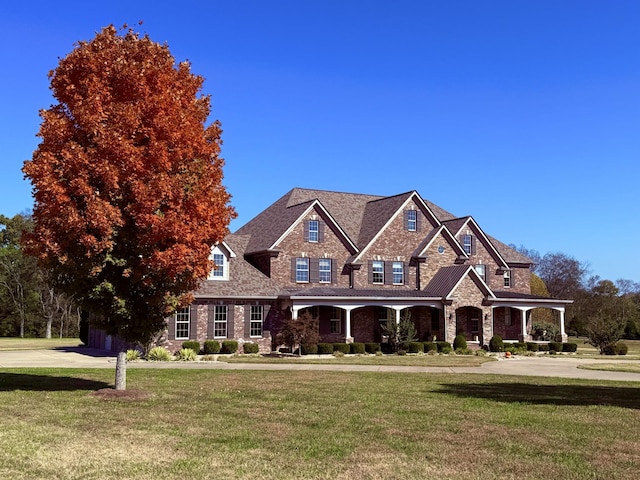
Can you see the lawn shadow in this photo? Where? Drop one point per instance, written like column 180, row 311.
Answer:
column 46, row 383
column 584, row 395
column 88, row 351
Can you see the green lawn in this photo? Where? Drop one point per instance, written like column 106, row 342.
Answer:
column 11, row 343
column 201, row 424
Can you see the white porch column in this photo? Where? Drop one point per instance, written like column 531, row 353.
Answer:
column 294, row 312
column 347, row 326
column 563, row 334
column 524, row 325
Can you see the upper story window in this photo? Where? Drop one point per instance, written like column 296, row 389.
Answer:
column 324, row 270
column 313, row 230
column 302, row 270
column 377, row 272
column 482, row 271
column 398, row 273
column 467, row 244
column 255, row 319
column 221, row 262
column 507, row 278
column 412, row 220
column 182, row 324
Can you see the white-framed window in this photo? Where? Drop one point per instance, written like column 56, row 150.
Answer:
column 398, row 271
column 220, row 321
column 385, row 314
column 182, row 323
column 324, row 270
column 412, row 220
column 314, row 228
column 482, row 271
column 335, row 322
column 221, row 265
column 377, row 272
column 302, row 270
column 467, row 243
column 255, row 321
column 507, row 278
column 507, row 316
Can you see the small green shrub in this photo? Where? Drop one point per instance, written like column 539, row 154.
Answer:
column 133, row 355
column 341, row 347
column 250, row 347
column 519, row 345
column 570, row 347
column 186, row 355
column 325, row 348
column 621, row 348
column 555, row 346
column 543, row 347
column 402, row 352
column 552, row 352
column 463, row 351
column 460, row 342
column 193, row 345
column 338, row 353
column 211, row 347
column 444, row 347
column 229, row 346
column 508, row 347
column 415, row 347
column 372, row 347
column 158, row 354
column 379, row 353
column 430, row 347
column 496, row 344
column 480, row 353
column 532, row 346
column 310, row 349
column 208, row 358
column 357, row 348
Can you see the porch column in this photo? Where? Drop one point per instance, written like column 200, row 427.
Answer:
column 524, row 336
column 294, row 312
column 347, row 326
column 563, row 334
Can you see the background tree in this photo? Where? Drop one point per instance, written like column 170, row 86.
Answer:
column 604, row 320
column 127, row 184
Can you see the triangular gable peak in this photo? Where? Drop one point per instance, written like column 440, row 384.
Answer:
column 443, row 231
column 225, row 248
column 410, row 197
column 459, row 224
column 326, row 216
column 447, row 280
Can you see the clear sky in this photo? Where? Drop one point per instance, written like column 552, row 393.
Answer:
column 523, row 114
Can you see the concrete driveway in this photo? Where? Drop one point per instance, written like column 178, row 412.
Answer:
column 563, row 367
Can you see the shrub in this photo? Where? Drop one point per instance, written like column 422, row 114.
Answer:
column 570, row 347
column 415, row 347
column 621, row 348
column 372, row 347
column 250, row 347
column 520, row 345
column 310, row 349
column 555, row 346
column 229, row 346
column 207, row 358
column 338, row 353
column 341, row 347
column 158, row 354
column 460, row 342
column 133, row 355
column 357, row 348
column 480, row 352
column 192, row 345
column 532, row 346
column 496, row 344
column 186, row 355
column 463, row 351
column 402, row 352
column 211, row 347
column 325, row 348
column 444, row 347
column 543, row 347
column 430, row 347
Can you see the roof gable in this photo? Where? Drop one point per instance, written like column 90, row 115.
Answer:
column 458, row 224
column 443, row 231
column 446, row 280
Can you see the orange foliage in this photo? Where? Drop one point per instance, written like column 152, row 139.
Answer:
column 127, row 181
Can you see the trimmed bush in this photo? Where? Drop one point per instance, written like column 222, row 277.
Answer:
column 250, row 347
column 311, row 349
column 338, row 354
column 532, row 346
column 415, row 347
column 444, row 347
column 555, row 346
column 325, row 348
column 621, row 348
column 211, row 347
column 133, row 355
column 460, row 342
column 543, row 347
column 402, row 353
column 229, row 346
column 372, row 347
column 463, row 351
column 570, row 347
column 158, row 354
column 430, row 347
column 496, row 344
column 192, row 345
column 186, row 355
column 520, row 345
column 357, row 348
column 341, row 347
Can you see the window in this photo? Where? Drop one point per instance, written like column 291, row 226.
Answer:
column 377, row 270
column 302, row 270
column 467, row 244
column 412, row 220
column 314, row 228
column 398, row 272
column 475, row 324
column 324, row 270
column 220, row 321
column 482, row 271
column 182, row 323
column 507, row 317
column 335, row 320
column 221, row 262
column 507, row 278
column 384, row 315
column 435, row 320
column 255, row 326
column 218, row 260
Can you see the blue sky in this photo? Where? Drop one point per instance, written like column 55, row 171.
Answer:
column 523, row 114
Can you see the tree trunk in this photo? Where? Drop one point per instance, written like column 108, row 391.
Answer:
column 121, row 371
column 48, row 330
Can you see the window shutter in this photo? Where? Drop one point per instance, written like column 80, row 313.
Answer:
column 334, row 271
column 230, row 322
column 210, row 317
column 388, row 273
column 306, row 230
column 320, row 231
column 405, row 271
column 193, row 321
column 406, row 219
column 171, row 327
column 247, row 321
column 265, row 315
column 418, row 220
column 293, row 270
column 513, row 279
column 314, row 270
column 370, row 271
column 473, row 244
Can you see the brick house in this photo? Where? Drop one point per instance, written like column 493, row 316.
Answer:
column 354, row 261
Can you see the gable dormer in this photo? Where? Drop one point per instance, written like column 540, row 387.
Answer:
column 221, row 253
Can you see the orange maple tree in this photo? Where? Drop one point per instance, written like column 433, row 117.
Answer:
column 127, row 182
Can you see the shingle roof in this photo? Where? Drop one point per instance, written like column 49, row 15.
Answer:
column 376, row 215
column 356, row 292
column 445, row 280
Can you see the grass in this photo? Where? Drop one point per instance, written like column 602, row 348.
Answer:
column 202, row 424
column 13, row 343
column 613, row 367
